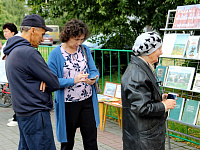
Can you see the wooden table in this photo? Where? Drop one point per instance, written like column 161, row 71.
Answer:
column 117, row 105
column 101, row 104
column 103, row 117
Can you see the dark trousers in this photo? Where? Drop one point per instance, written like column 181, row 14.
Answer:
column 80, row 114
column 36, row 132
column 15, row 117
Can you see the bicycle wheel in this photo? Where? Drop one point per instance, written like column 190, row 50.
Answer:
column 5, row 100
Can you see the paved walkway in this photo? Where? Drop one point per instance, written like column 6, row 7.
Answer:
column 110, row 139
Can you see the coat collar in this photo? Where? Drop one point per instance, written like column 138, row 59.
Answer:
column 148, row 71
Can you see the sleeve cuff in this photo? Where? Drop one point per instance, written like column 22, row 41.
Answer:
column 165, row 107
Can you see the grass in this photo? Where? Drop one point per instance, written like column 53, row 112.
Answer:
column 186, row 130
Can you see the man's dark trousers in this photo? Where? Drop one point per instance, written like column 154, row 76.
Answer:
column 36, row 132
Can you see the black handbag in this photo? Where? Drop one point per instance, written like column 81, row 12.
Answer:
column 96, row 85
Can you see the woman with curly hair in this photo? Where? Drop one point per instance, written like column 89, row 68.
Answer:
column 76, row 103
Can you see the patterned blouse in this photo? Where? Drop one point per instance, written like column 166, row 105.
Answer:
column 74, row 64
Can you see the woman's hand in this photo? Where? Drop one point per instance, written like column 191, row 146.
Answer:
column 91, row 81
column 80, row 78
column 169, row 103
column 164, row 96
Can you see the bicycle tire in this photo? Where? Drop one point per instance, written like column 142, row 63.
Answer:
column 5, row 101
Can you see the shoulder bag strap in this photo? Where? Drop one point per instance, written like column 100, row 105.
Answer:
column 84, row 51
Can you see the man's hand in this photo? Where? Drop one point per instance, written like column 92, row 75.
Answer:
column 42, row 86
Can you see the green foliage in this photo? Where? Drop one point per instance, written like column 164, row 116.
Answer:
column 127, row 18
column 12, row 11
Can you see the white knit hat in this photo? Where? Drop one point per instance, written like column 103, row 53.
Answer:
column 146, row 43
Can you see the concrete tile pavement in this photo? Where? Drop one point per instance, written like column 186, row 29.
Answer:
column 110, row 139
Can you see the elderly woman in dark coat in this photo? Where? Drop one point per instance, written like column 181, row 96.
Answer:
column 144, row 107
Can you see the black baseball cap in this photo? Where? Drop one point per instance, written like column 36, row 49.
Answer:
column 35, row 20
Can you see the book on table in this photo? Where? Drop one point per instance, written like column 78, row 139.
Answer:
column 179, row 77
column 190, row 111
column 111, row 93
column 161, row 72
column 102, row 97
column 176, row 113
column 109, row 89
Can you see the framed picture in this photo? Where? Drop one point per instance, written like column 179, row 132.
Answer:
column 109, row 89
column 179, row 77
column 118, row 91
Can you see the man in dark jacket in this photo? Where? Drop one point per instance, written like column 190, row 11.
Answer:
column 31, row 83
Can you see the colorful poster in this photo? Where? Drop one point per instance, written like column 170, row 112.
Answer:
column 192, row 48
column 179, row 77
column 187, row 17
column 179, row 45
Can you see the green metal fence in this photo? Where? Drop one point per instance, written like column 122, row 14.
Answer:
column 112, row 68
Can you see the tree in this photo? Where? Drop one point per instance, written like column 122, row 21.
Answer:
column 12, row 11
column 127, row 18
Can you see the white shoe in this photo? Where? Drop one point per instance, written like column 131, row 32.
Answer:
column 12, row 124
column 9, row 120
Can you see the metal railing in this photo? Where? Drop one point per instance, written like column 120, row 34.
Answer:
column 178, row 129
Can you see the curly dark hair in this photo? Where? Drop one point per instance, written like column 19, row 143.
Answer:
column 73, row 28
column 11, row 27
